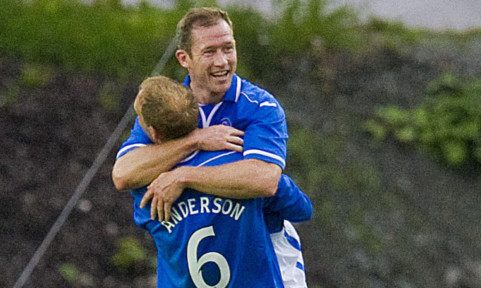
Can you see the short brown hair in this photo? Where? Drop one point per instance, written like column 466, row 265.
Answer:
column 195, row 17
column 169, row 107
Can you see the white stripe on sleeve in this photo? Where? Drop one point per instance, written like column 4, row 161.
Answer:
column 264, row 153
column 128, row 147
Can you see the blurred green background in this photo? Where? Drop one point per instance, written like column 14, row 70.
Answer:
column 384, row 125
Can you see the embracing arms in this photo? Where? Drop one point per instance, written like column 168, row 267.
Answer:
column 141, row 166
column 150, row 164
column 243, row 179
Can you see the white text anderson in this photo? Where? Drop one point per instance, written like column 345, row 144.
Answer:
column 203, row 205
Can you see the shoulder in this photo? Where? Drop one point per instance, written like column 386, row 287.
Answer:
column 255, row 97
column 137, row 138
column 252, row 92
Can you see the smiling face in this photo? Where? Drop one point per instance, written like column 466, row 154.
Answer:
column 212, row 61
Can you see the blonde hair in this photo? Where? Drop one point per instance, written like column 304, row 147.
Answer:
column 168, row 107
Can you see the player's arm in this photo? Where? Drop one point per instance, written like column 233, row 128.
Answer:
column 145, row 161
column 289, row 202
column 255, row 176
column 264, row 158
column 241, row 180
column 139, row 161
column 140, row 166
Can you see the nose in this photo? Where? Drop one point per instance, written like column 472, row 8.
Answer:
column 220, row 58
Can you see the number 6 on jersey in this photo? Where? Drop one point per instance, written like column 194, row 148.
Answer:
column 195, row 264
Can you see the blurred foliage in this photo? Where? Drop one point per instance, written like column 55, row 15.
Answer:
column 304, row 24
column 392, row 34
column 125, row 42
column 447, row 124
column 108, row 98
column 130, row 256
column 340, row 186
column 320, row 160
column 10, row 93
column 101, row 38
column 36, row 75
column 70, row 273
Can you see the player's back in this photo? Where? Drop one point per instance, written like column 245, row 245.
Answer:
column 212, row 241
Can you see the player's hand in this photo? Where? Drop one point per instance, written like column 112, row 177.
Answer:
column 219, row 137
column 163, row 192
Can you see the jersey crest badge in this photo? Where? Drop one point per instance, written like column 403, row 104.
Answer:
column 226, row 122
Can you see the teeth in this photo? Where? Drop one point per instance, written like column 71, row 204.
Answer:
column 220, row 73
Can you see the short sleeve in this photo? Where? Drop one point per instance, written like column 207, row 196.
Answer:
column 137, row 138
column 266, row 136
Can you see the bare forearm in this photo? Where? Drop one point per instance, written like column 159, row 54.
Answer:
column 141, row 166
column 241, row 180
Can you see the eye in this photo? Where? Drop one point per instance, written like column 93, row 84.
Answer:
column 208, row 52
column 228, row 48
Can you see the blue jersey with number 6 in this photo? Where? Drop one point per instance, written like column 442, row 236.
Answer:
column 212, row 241
column 220, row 242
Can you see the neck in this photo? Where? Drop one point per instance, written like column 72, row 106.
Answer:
column 210, row 99
column 206, row 97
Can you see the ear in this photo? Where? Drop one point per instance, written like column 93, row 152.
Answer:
column 154, row 135
column 182, row 56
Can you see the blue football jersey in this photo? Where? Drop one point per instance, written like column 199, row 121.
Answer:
column 246, row 107
column 212, row 241
column 220, row 242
